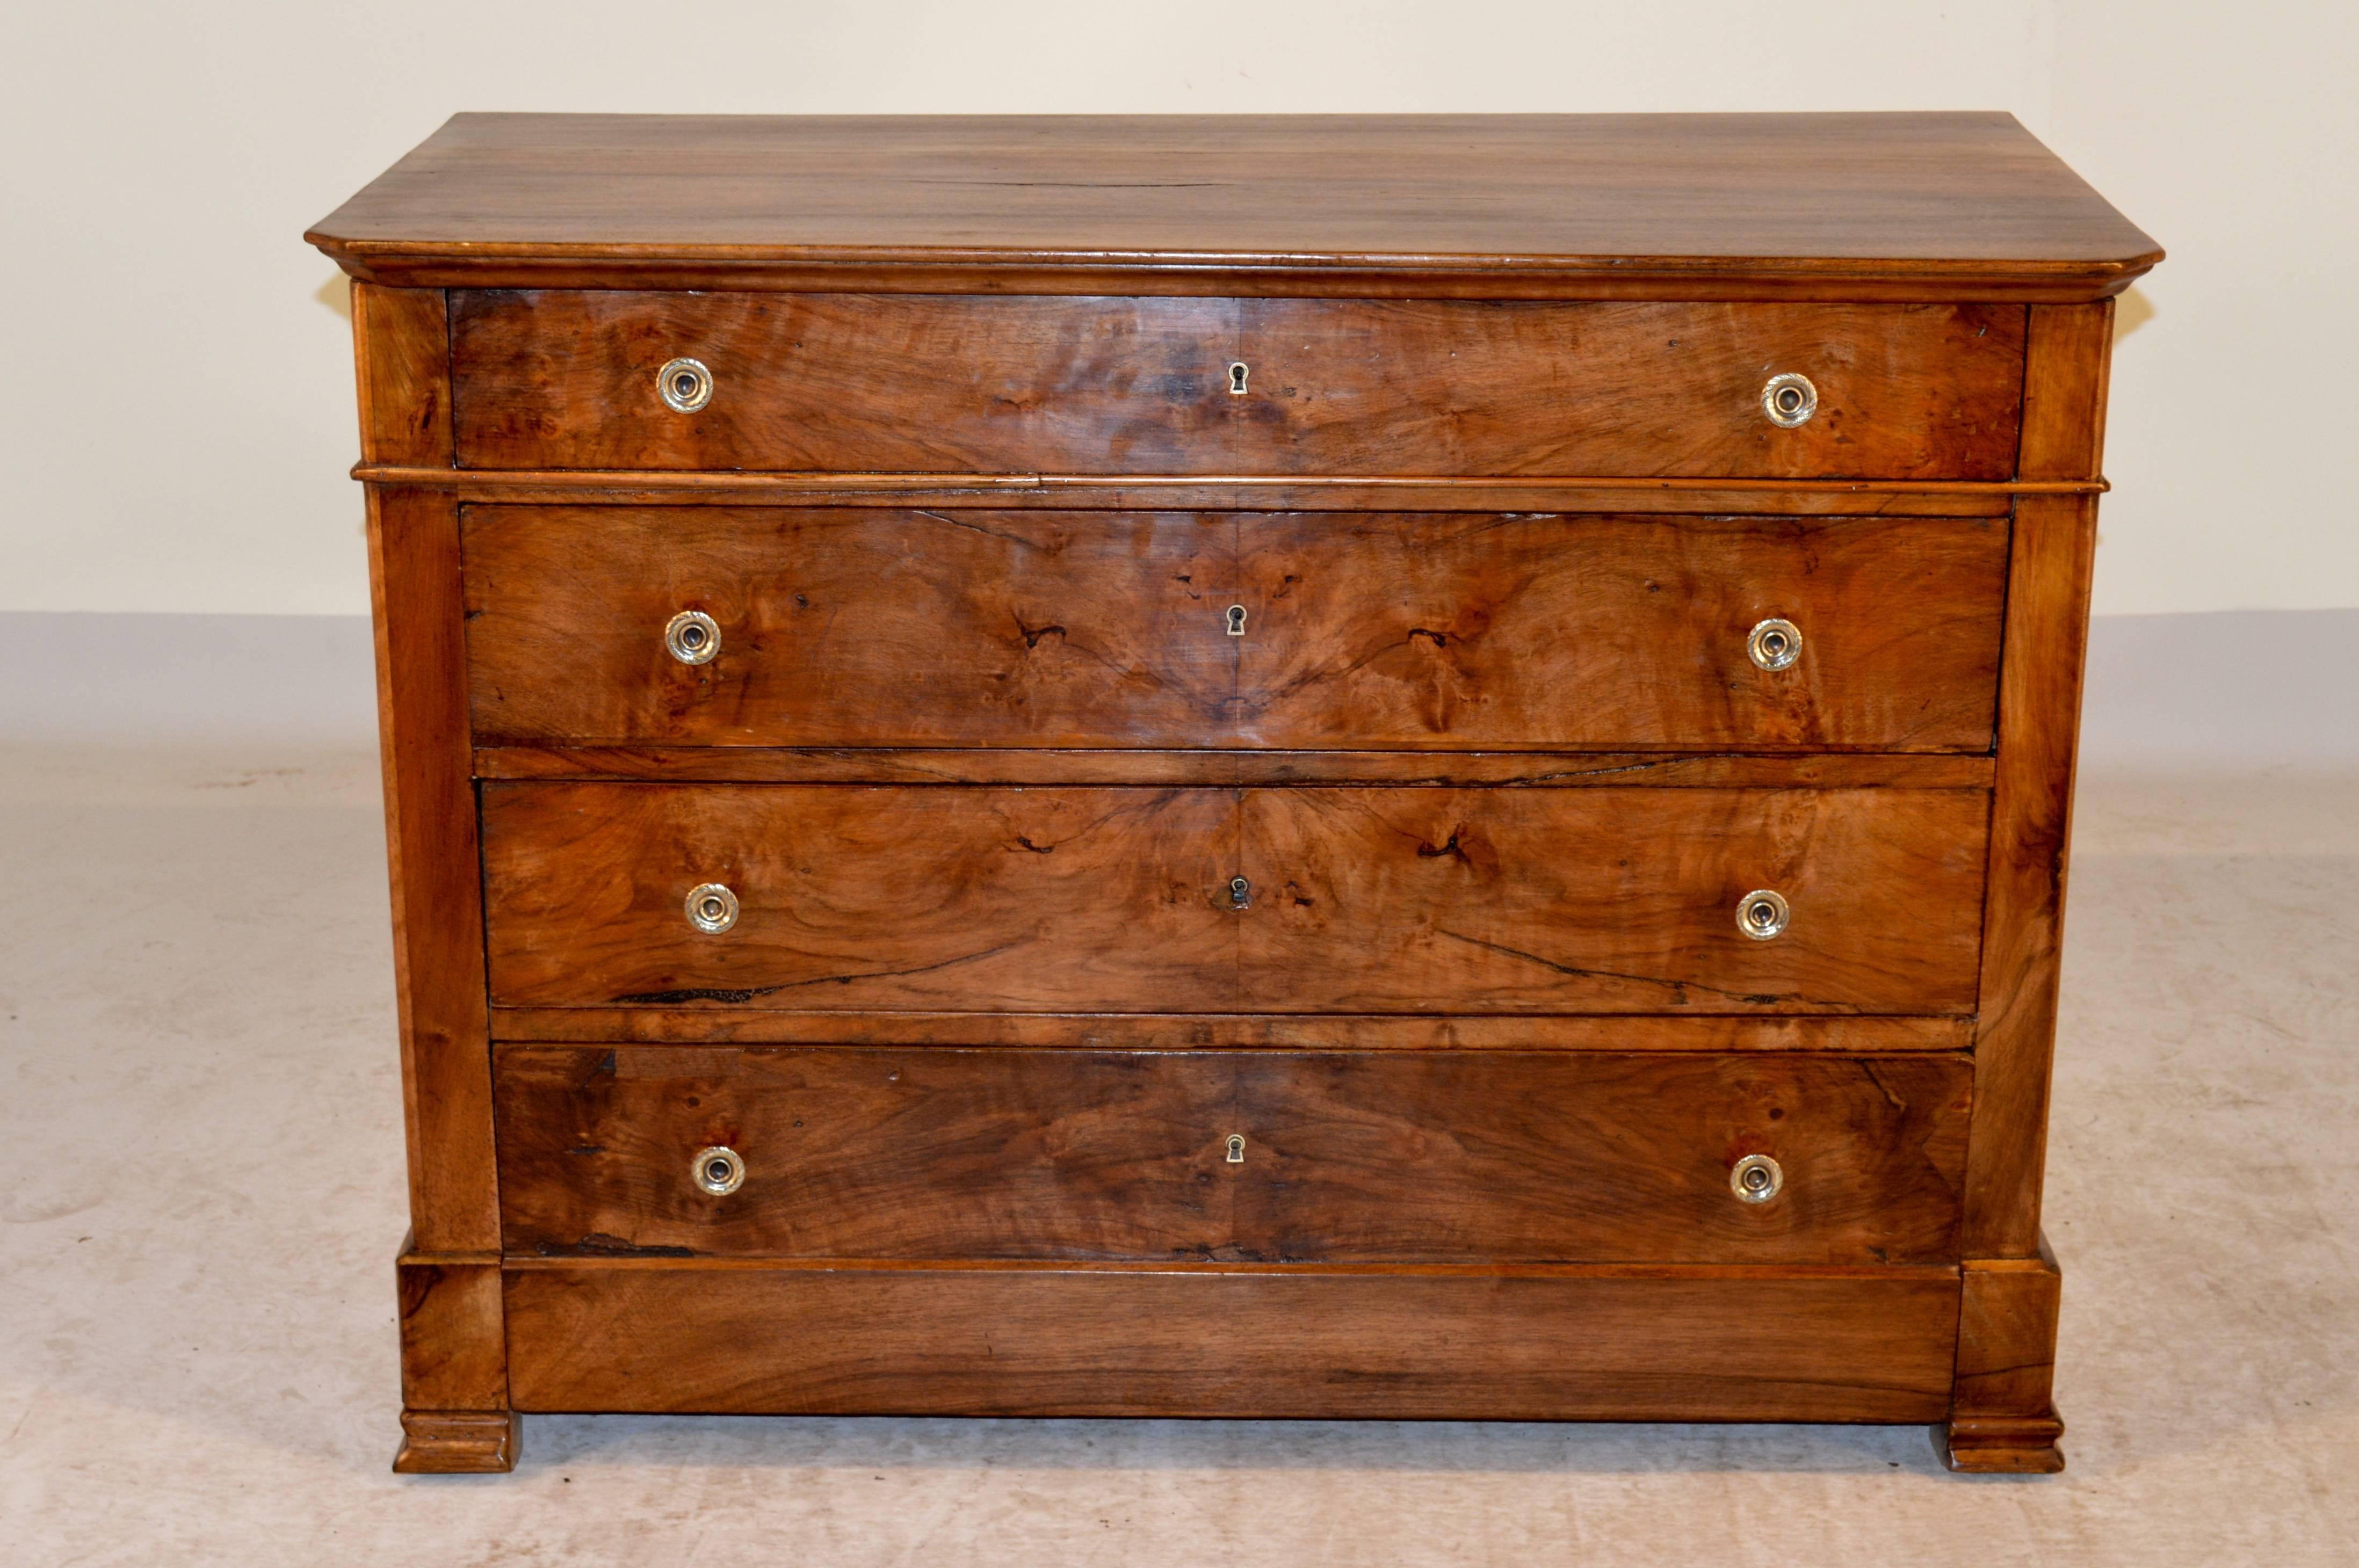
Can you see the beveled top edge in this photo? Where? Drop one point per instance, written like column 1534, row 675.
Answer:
column 1931, row 202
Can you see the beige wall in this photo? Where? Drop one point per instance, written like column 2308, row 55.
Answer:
column 174, row 381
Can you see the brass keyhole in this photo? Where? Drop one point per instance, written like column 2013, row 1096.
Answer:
column 1238, row 374
column 1236, row 1149
column 1237, row 620
column 1240, row 893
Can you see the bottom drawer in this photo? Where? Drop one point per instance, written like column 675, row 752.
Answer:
column 1443, row 1157
column 1246, row 1342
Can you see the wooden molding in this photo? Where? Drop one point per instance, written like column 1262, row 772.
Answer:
column 2002, row 1419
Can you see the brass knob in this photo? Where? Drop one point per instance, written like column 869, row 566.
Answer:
column 1789, row 400
column 712, row 908
column 1762, row 914
column 692, row 637
column 1757, row 1179
column 686, row 386
column 1774, row 644
column 718, row 1169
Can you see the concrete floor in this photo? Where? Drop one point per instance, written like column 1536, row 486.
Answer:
column 201, row 1190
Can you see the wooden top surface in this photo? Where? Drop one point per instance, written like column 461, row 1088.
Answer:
column 1835, row 206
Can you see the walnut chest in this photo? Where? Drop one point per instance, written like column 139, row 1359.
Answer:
column 1258, row 767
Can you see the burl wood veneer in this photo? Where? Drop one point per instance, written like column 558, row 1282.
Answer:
column 1390, row 767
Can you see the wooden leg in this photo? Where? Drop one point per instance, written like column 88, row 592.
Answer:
column 2002, row 1420
column 454, row 1367
column 456, row 1442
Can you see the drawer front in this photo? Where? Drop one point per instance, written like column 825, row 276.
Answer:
column 922, row 383
column 840, row 627
column 1355, row 899
column 1450, row 1157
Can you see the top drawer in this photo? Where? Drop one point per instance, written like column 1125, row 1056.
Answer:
column 922, row 383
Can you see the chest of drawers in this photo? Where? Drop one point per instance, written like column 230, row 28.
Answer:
column 1386, row 767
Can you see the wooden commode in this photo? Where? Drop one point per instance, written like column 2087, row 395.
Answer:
column 1258, row 767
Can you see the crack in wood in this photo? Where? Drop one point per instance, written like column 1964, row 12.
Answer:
column 1678, row 988
column 1882, row 1087
column 598, row 1244
column 749, row 993
column 1427, row 851
column 1016, row 539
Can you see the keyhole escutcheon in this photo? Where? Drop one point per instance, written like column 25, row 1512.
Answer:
column 1240, row 893
column 1237, row 620
column 1237, row 1148
column 1238, row 374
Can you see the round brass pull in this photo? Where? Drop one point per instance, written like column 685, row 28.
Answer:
column 686, row 386
column 1757, row 1179
column 1762, row 914
column 1789, row 400
column 718, row 1169
column 692, row 637
column 712, row 908
column 1774, row 644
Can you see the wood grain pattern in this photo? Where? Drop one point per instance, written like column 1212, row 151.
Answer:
column 429, row 808
column 2003, row 1418
column 1663, row 389
column 904, row 628
column 2046, row 646
column 1364, row 900
column 924, row 1153
column 1512, row 770
column 1406, row 1158
column 567, row 379
column 451, row 1332
column 1026, row 899
column 922, row 628
column 1532, row 901
column 564, row 379
column 1251, row 1031
column 1616, row 633
column 1749, row 206
column 401, row 350
column 1488, row 1157
column 1705, row 1344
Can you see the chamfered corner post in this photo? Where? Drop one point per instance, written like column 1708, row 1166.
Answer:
column 455, row 1414
column 2001, row 1417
